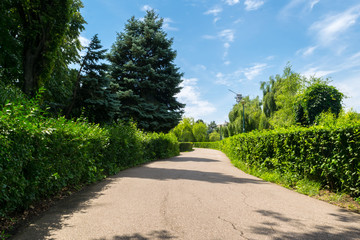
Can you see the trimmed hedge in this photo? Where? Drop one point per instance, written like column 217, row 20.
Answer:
column 326, row 155
column 212, row 145
column 186, row 146
column 39, row 156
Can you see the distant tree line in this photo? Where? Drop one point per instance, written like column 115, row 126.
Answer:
column 288, row 99
column 136, row 80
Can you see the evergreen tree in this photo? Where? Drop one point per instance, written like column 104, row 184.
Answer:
column 92, row 93
column 147, row 79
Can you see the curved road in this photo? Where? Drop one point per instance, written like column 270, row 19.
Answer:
column 197, row 195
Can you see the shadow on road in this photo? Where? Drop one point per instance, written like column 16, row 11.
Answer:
column 270, row 229
column 190, row 159
column 64, row 209
column 154, row 235
column 194, row 175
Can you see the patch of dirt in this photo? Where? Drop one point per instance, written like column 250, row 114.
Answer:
column 340, row 200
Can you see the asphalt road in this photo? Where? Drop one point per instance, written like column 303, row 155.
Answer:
column 197, row 195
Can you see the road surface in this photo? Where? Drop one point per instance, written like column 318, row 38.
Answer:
column 197, row 195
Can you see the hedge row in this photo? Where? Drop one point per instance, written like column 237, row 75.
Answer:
column 212, row 145
column 326, row 155
column 186, row 146
column 40, row 156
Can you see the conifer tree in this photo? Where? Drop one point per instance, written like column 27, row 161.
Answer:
column 142, row 66
column 93, row 94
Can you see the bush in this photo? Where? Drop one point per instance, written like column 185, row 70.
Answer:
column 212, row 145
column 39, row 156
column 328, row 155
column 186, row 147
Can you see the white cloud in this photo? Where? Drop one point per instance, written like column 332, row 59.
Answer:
column 166, row 25
column 349, row 87
column 317, row 72
column 240, row 75
column 84, row 41
column 146, row 8
column 190, row 95
column 254, row 71
column 227, row 35
column 306, row 51
column 332, row 27
column 227, row 63
column 231, row 2
column 251, row 5
column 298, row 7
column 313, row 3
column 214, row 11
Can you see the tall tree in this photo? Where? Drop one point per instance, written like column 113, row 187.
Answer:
column 38, row 29
column 317, row 98
column 10, row 56
column 279, row 97
column 142, row 65
column 92, row 91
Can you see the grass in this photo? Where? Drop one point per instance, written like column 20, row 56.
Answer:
column 303, row 186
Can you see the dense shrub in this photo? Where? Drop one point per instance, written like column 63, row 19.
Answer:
column 186, row 146
column 212, row 145
column 327, row 155
column 39, row 156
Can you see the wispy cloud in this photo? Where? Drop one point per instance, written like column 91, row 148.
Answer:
column 298, row 7
column 254, row 71
column 332, row 27
column 214, row 11
column 190, row 95
column 146, row 8
column 230, row 79
column 313, row 3
column 231, row 2
column 166, row 24
column 251, row 5
column 305, row 52
column 227, row 35
column 317, row 72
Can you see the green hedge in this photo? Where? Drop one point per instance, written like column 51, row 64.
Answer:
column 326, row 155
column 39, row 156
column 212, row 145
column 186, row 146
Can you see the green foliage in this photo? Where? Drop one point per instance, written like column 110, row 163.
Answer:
column 281, row 97
column 92, row 95
column 183, row 131
column 146, row 78
column 186, row 146
column 37, row 32
column 325, row 155
column 212, row 145
column 214, row 136
column 253, row 117
column 199, row 130
column 189, row 131
column 317, row 98
column 40, row 155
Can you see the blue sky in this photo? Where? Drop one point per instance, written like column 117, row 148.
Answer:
column 236, row 44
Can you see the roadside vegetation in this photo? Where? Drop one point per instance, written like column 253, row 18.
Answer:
column 298, row 136
column 69, row 119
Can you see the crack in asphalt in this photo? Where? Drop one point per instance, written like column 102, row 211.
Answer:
column 234, row 227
